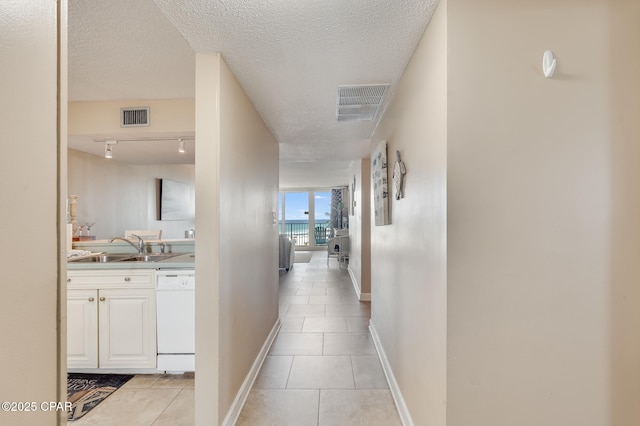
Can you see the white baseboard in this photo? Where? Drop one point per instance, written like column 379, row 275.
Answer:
column 403, row 411
column 363, row 297
column 241, row 397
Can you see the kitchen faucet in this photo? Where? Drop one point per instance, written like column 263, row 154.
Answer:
column 139, row 246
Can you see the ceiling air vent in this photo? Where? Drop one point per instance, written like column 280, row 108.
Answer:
column 134, row 117
column 360, row 103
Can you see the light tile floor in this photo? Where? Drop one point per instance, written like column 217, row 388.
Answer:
column 145, row 400
column 322, row 369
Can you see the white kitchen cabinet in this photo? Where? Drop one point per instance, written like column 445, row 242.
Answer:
column 111, row 319
column 127, row 328
column 82, row 328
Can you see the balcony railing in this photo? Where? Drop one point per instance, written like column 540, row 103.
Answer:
column 299, row 232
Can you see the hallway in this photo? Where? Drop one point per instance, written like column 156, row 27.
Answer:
column 322, row 368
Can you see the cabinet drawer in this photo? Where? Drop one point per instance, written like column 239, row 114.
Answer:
column 111, row 278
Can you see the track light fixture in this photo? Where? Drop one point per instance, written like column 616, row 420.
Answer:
column 108, row 151
column 108, row 143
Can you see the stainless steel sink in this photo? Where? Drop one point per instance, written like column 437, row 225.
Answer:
column 125, row 257
column 103, row 258
column 151, row 257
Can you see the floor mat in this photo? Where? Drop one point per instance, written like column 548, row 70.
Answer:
column 303, row 257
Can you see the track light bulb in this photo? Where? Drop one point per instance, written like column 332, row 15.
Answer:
column 108, row 151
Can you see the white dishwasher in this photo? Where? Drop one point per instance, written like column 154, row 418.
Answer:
column 175, row 292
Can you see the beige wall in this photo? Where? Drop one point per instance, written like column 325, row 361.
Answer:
column 30, row 360
column 208, row 242
column 118, row 196
column 543, row 227
column 408, row 257
column 623, row 41
column 248, row 235
column 102, row 118
column 237, row 175
column 360, row 228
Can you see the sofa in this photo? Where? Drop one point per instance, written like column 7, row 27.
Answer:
column 287, row 253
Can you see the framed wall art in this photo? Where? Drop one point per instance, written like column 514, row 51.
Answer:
column 175, row 201
column 352, row 209
column 379, row 171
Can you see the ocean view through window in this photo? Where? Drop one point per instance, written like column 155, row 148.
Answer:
column 303, row 216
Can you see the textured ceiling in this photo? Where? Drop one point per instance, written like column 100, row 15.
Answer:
column 290, row 57
column 123, row 49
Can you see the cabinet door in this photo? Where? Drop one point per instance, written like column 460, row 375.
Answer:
column 127, row 331
column 82, row 328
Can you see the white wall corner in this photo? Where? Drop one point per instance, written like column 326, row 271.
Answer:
column 241, row 397
column 363, row 297
column 401, row 406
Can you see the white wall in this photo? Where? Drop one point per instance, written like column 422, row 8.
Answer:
column 32, row 362
column 237, row 261
column 118, row 196
column 360, row 228
column 313, row 174
column 543, row 228
column 408, row 257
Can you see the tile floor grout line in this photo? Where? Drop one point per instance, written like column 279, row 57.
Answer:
column 318, row 419
column 353, row 373
column 165, row 408
column 293, row 358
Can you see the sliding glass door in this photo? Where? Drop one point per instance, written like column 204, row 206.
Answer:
column 304, row 217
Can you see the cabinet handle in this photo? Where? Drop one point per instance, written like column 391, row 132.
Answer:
column 68, row 280
column 102, row 299
column 91, row 299
column 127, row 279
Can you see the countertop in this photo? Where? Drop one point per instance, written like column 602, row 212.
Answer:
column 181, row 261
column 119, row 246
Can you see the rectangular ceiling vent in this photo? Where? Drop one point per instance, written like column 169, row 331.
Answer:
column 360, row 103
column 134, row 117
